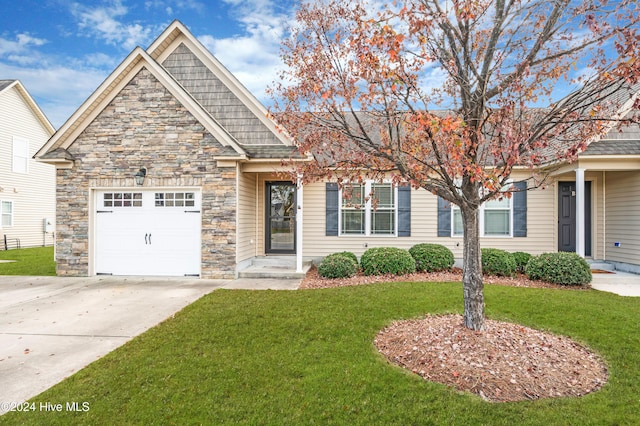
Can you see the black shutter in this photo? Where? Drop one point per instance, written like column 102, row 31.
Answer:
column 331, row 209
column 404, row 211
column 444, row 218
column 520, row 210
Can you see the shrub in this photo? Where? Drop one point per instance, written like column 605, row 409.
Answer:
column 521, row 259
column 497, row 262
column 432, row 257
column 338, row 265
column 559, row 268
column 349, row 255
column 387, row 260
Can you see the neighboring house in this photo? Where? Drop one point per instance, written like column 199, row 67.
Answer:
column 211, row 200
column 27, row 187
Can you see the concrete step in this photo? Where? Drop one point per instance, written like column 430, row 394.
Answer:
column 601, row 265
column 274, row 267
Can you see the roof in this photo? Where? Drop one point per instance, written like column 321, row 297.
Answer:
column 272, row 151
column 199, row 82
column 5, row 83
column 613, row 147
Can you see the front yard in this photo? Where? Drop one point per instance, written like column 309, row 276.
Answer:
column 308, row 357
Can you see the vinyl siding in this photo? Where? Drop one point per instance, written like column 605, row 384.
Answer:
column 33, row 194
column 541, row 226
column 247, row 208
column 597, row 214
column 622, row 218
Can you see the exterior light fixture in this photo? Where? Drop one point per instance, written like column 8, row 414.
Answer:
column 139, row 177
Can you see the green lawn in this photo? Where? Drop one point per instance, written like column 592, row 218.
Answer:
column 307, row 357
column 28, row 261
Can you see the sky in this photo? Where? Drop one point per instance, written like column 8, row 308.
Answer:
column 63, row 50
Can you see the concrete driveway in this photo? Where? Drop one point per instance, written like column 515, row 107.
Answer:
column 51, row 327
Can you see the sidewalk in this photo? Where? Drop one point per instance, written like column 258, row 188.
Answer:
column 621, row 283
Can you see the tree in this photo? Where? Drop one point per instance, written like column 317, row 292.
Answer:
column 447, row 95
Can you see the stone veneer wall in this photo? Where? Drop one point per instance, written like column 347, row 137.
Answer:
column 146, row 126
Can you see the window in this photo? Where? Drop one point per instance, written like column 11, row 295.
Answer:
column 6, row 211
column 122, row 199
column 20, row 155
column 175, row 199
column 368, row 209
column 495, row 219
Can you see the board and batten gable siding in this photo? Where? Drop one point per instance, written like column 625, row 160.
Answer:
column 622, row 217
column 424, row 226
column 217, row 98
column 146, row 126
column 32, row 194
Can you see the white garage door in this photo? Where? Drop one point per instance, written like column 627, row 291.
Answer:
column 148, row 232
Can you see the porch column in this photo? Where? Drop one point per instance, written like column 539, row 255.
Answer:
column 299, row 225
column 580, row 212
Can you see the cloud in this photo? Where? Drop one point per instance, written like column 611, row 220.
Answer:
column 254, row 57
column 103, row 22
column 60, row 90
column 170, row 6
column 22, row 44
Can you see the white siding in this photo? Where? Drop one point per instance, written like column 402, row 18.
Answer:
column 33, row 194
column 541, row 226
column 622, row 216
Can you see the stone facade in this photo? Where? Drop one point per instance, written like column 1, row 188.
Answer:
column 145, row 126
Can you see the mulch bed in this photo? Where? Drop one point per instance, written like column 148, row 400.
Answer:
column 313, row 280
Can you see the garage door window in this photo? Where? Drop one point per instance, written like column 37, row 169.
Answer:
column 122, row 199
column 175, row 199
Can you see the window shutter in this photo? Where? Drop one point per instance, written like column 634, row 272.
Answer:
column 404, row 211
column 444, row 218
column 520, row 210
column 331, row 209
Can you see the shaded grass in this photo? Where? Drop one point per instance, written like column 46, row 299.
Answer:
column 28, row 261
column 307, row 357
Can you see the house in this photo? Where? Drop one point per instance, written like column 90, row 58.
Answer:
column 27, row 187
column 170, row 168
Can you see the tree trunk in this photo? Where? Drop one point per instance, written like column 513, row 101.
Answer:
column 472, row 285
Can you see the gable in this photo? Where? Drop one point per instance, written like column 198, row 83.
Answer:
column 144, row 119
column 121, row 76
column 17, row 101
column 217, row 98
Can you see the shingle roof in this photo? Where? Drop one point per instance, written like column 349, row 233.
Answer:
column 5, row 83
column 613, row 147
column 272, row 151
column 58, row 154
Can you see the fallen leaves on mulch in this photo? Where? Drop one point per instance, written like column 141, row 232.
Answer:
column 506, row 362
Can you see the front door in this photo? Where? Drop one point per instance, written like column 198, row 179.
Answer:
column 567, row 217
column 280, row 218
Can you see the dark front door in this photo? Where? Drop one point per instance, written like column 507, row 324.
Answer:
column 567, row 217
column 281, row 218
